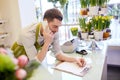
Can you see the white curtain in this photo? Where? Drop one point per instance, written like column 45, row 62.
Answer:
column 115, row 29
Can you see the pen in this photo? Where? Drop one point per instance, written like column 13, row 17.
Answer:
column 85, row 69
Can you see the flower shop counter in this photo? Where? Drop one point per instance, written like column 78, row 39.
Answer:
column 98, row 69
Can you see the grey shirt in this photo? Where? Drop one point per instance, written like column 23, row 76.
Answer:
column 27, row 39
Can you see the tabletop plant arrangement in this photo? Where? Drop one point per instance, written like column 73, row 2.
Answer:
column 62, row 2
column 93, row 7
column 84, row 5
column 74, row 31
column 12, row 68
column 102, row 3
column 100, row 24
column 102, row 6
column 62, row 5
column 85, row 27
column 82, row 24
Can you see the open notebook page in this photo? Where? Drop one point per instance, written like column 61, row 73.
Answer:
column 73, row 68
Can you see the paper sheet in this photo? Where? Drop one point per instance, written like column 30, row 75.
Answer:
column 73, row 68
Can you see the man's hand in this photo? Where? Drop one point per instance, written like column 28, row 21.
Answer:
column 81, row 62
column 48, row 36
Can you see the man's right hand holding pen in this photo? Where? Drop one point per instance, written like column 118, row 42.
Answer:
column 81, row 62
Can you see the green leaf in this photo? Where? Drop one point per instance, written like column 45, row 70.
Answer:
column 6, row 64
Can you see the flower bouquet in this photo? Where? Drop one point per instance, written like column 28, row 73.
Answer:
column 12, row 68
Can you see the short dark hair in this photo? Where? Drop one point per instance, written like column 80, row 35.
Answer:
column 50, row 14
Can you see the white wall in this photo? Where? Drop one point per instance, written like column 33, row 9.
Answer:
column 17, row 13
column 10, row 12
column 44, row 7
column 27, row 12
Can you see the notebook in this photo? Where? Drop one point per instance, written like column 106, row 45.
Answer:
column 73, row 68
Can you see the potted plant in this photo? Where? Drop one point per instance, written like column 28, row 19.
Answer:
column 89, row 27
column 103, row 6
column 83, row 11
column 54, row 2
column 93, row 3
column 101, row 3
column 63, row 6
column 84, row 5
column 62, row 2
column 83, row 27
column 93, row 7
column 107, row 31
column 100, row 23
column 74, row 31
column 98, row 27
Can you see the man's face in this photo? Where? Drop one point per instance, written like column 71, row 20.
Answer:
column 54, row 25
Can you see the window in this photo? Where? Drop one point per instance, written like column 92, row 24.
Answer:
column 72, row 16
column 114, row 10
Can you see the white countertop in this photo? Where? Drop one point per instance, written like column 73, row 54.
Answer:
column 45, row 71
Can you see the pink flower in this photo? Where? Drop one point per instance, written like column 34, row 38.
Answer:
column 22, row 60
column 20, row 74
column 15, row 61
column 3, row 51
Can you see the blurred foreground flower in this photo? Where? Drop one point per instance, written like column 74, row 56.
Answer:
column 11, row 68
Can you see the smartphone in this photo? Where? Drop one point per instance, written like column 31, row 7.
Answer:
column 45, row 26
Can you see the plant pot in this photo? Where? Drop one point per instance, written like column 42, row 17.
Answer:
column 84, row 36
column 98, row 35
column 93, row 10
column 83, row 11
column 74, row 33
column 103, row 11
column 106, row 35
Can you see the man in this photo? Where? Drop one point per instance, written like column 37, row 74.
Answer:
column 48, row 35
